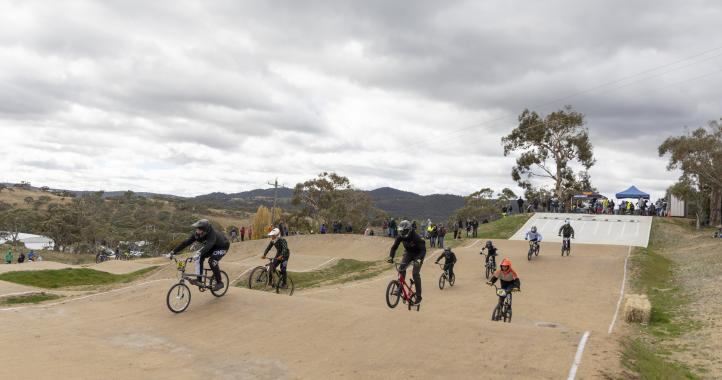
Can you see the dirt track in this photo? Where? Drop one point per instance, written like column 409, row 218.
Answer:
column 332, row 332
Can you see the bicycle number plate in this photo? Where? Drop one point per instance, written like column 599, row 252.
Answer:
column 501, row 293
column 181, row 265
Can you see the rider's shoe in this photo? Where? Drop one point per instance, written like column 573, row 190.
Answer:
column 218, row 286
column 194, row 282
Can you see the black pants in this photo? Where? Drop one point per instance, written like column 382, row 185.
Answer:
column 417, row 260
column 213, row 259
column 284, row 265
column 449, row 267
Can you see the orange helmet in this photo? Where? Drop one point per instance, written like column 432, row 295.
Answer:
column 506, row 263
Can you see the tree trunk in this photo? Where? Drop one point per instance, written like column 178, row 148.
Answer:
column 715, row 207
column 698, row 220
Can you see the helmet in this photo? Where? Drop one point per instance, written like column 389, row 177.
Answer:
column 506, row 263
column 274, row 233
column 488, row 243
column 566, row 221
column 533, row 229
column 204, row 225
column 405, row 228
column 447, row 250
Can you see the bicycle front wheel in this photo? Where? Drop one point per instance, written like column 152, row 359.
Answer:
column 488, row 272
column 452, row 279
column 226, row 284
column 258, row 279
column 442, row 281
column 393, row 294
column 179, row 297
column 496, row 314
column 531, row 252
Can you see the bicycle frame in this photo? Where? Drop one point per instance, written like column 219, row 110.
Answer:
column 406, row 293
column 182, row 265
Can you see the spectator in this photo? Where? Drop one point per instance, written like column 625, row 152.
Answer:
column 233, row 234
column 385, row 226
column 9, row 257
column 520, row 203
column 21, row 258
column 323, row 229
column 456, row 231
column 392, row 229
column 468, row 228
column 475, row 227
column 243, row 233
column 433, row 234
column 32, row 256
column 441, row 236
column 250, row 232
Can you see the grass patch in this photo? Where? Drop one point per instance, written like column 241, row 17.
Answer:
column 503, row 228
column 345, row 270
column 60, row 278
column 654, row 275
column 29, row 298
column 642, row 358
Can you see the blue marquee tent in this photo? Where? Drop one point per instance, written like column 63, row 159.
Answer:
column 632, row 193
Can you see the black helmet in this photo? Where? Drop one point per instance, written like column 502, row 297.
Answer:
column 405, row 228
column 203, row 225
column 488, row 243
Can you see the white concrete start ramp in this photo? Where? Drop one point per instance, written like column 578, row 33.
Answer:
column 627, row 230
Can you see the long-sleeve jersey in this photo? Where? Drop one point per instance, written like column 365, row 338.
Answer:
column 448, row 256
column 413, row 244
column 492, row 251
column 282, row 252
column 533, row 236
column 508, row 278
column 567, row 230
column 212, row 241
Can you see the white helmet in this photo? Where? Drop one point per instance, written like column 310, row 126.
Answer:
column 274, row 232
column 566, row 221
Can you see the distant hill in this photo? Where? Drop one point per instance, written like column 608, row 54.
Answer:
column 397, row 203
column 404, row 204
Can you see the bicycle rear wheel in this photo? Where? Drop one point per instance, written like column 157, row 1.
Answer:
column 226, row 284
column 286, row 288
column 179, row 297
column 507, row 316
column 258, row 279
column 442, row 281
column 393, row 294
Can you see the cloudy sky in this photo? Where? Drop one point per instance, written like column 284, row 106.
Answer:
column 189, row 97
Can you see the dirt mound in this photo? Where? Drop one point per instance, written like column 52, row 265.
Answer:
column 119, row 266
column 37, row 265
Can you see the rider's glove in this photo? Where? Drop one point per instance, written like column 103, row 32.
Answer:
column 170, row 255
column 390, row 260
column 489, row 283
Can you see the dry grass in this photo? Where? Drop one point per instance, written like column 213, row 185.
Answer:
column 16, row 197
column 637, row 309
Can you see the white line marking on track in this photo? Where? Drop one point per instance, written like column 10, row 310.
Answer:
column 317, row 267
column 621, row 292
column 578, row 356
column 83, row 297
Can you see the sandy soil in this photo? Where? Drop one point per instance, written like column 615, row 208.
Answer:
column 335, row 332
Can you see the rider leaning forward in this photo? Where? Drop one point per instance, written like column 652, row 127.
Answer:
column 507, row 276
column 215, row 246
column 414, row 252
